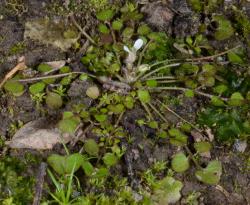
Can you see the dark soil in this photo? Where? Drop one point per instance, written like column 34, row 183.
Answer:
column 144, row 149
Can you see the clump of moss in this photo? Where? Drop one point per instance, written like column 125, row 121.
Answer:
column 243, row 24
column 13, row 185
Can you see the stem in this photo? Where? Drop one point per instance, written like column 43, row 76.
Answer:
column 161, row 78
column 82, row 30
column 147, row 110
column 178, row 116
column 164, row 61
column 115, row 42
column 160, row 68
column 157, row 112
column 119, row 119
column 169, row 81
column 213, row 56
column 185, row 89
column 196, row 59
column 192, row 157
column 54, row 76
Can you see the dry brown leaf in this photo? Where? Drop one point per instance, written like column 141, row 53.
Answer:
column 210, row 134
column 20, row 66
column 56, row 64
column 30, row 136
column 197, row 136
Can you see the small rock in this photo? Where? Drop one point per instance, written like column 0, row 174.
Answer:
column 240, row 145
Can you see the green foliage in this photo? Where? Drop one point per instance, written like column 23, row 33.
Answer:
column 37, row 88
column 143, row 96
column 14, row 87
column 105, row 15
column 211, row 174
column 54, row 100
column 236, row 99
column 15, row 185
column 202, row 146
column 117, row 25
column 234, row 58
column 91, row 147
column 69, row 123
column 110, row 159
column 196, row 5
column 65, row 164
column 177, row 137
column 101, row 117
column 228, row 124
column 167, row 191
column 224, row 30
column 180, row 162
column 103, row 28
column 243, row 23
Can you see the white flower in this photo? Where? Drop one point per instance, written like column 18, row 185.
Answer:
column 137, row 45
column 132, row 52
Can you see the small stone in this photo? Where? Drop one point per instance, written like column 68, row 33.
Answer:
column 240, row 145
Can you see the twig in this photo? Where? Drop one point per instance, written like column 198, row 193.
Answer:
column 82, row 30
column 221, row 189
column 20, row 66
column 39, row 184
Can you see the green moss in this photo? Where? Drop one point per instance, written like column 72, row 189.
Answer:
column 17, row 48
column 243, row 24
column 13, row 184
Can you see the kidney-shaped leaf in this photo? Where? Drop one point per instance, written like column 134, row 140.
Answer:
column 211, row 174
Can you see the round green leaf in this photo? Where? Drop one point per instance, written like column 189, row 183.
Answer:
column 202, row 147
column 14, row 87
column 91, row 147
column 103, row 28
column 180, row 162
column 69, row 125
column 105, row 15
column 144, row 96
column 53, row 100
column 37, row 88
column 110, row 159
column 117, row 25
column 211, row 174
